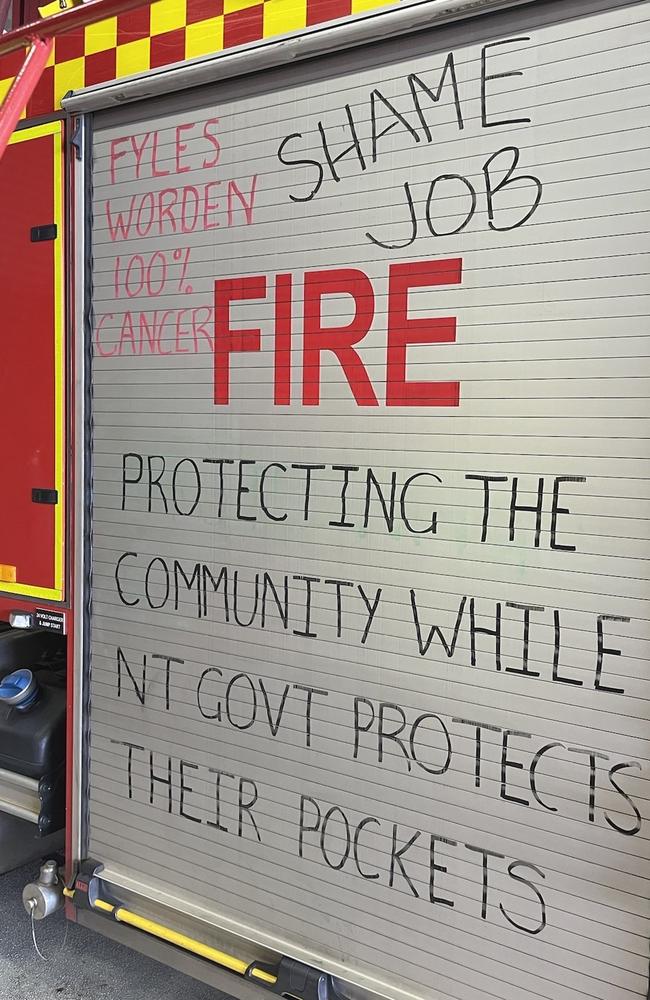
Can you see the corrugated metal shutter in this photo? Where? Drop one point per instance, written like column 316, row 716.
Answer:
column 370, row 633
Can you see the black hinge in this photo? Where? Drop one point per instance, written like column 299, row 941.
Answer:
column 296, row 980
column 76, row 139
column 51, row 792
column 45, row 496
column 40, row 234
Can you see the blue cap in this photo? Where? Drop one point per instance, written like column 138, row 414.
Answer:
column 19, row 689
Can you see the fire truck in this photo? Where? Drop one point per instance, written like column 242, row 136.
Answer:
column 324, row 545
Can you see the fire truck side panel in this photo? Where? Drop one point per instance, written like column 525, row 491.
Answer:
column 32, row 393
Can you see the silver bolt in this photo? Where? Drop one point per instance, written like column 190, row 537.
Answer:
column 49, row 873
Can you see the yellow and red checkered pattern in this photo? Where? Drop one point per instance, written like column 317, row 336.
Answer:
column 165, row 32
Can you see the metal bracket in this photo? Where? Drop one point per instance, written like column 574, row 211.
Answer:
column 295, row 980
column 85, row 884
column 76, row 138
column 51, row 792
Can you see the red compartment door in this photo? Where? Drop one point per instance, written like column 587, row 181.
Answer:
column 32, row 542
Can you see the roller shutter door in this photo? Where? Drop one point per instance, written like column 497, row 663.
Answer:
column 370, row 526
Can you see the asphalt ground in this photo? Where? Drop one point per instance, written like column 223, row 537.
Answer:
column 78, row 963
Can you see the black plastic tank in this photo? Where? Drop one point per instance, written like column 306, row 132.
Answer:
column 25, row 647
column 32, row 733
column 32, row 742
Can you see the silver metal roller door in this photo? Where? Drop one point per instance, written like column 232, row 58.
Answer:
column 370, row 633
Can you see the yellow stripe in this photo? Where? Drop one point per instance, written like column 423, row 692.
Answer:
column 238, row 965
column 59, row 354
column 55, row 593
column 133, row 57
column 282, row 16
column 181, row 940
column 100, row 36
column 167, row 15
column 100, row 904
column 36, row 131
column 204, row 37
column 69, row 74
column 266, row 977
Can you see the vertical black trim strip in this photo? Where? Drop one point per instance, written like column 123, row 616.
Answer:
column 86, row 580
